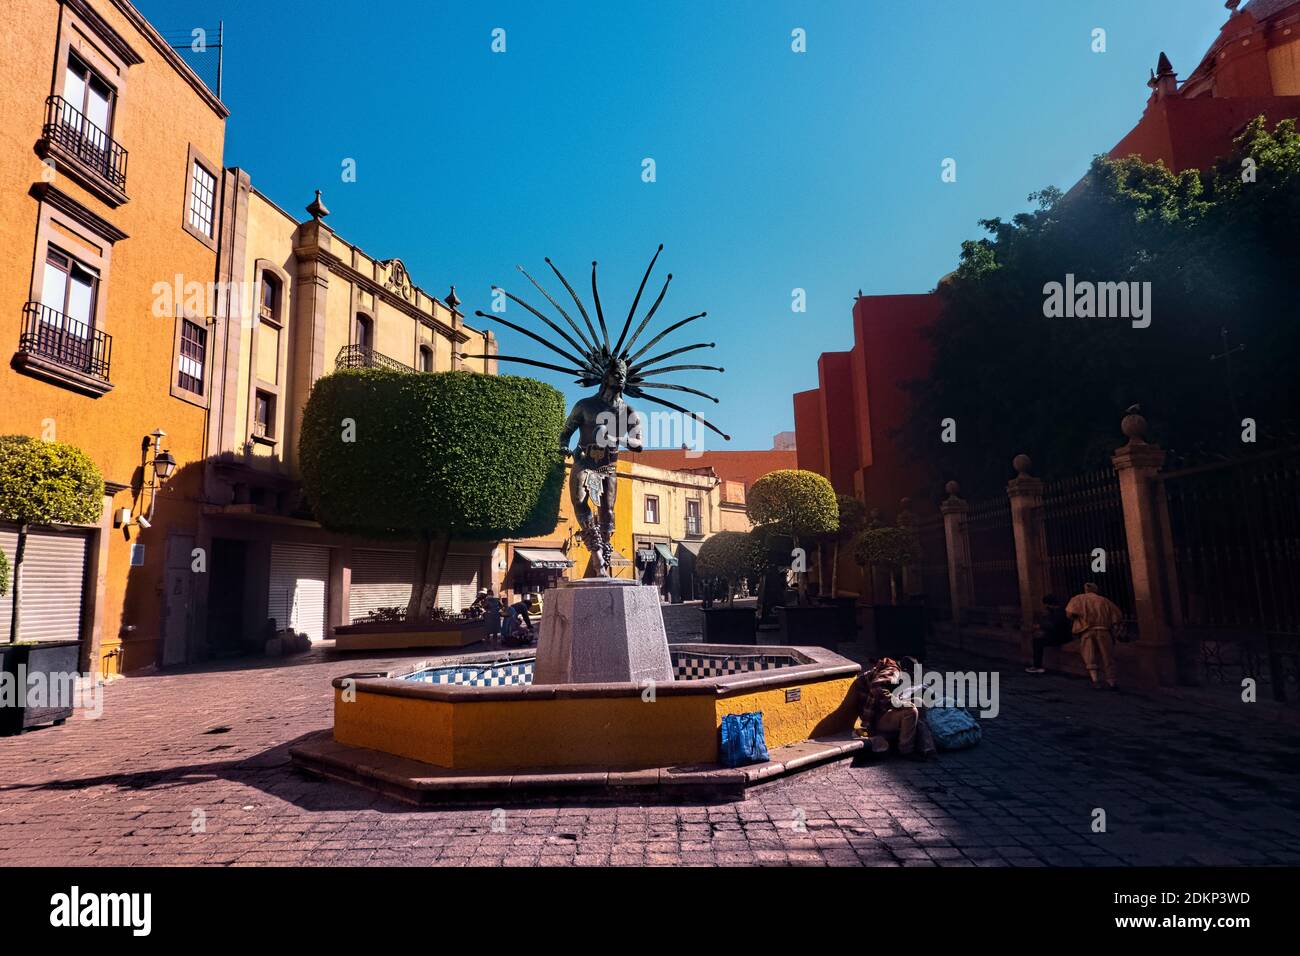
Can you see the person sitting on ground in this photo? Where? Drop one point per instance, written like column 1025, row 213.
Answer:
column 885, row 715
column 1053, row 631
column 1095, row 618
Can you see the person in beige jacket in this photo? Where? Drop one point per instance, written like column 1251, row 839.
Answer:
column 1094, row 618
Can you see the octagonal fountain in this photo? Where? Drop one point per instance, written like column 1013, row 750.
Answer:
column 603, row 703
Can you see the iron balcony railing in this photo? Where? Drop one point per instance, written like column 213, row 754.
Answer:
column 69, row 342
column 361, row 356
column 68, row 129
column 694, row 526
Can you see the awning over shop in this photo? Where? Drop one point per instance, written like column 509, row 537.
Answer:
column 647, row 556
column 666, row 555
column 691, row 546
column 544, row 559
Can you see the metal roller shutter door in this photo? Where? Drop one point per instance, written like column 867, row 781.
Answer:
column 299, row 588
column 54, row 578
column 383, row 579
column 379, row 579
column 459, row 584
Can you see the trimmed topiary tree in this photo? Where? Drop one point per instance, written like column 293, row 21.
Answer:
column 430, row 457
column 44, row 482
column 4, row 574
column 730, row 555
column 798, row 503
column 853, row 519
column 892, row 548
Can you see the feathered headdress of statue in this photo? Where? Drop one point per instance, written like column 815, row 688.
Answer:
column 591, row 357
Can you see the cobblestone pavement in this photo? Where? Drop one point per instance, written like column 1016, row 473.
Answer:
column 1179, row 783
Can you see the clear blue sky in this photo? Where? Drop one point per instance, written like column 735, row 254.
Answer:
column 776, row 170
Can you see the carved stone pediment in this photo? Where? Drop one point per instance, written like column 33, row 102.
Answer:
column 397, row 279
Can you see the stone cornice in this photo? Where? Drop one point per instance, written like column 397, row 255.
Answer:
column 48, row 193
column 107, row 35
column 355, row 276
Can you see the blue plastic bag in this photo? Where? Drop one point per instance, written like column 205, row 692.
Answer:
column 742, row 740
column 952, row 727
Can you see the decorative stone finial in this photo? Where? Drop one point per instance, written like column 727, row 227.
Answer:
column 1133, row 425
column 1022, row 464
column 453, row 300
column 952, row 488
column 1232, row 5
column 317, row 208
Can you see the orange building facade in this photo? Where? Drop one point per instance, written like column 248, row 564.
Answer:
column 110, row 155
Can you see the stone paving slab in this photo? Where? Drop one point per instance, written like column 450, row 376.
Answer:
column 193, row 768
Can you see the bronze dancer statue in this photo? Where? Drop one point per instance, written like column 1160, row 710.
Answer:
column 604, row 422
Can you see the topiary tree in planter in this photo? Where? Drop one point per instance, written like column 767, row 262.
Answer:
column 4, row 574
column 892, row 548
column 44, row 482
column 853, row 519
column 430, row 457
column 730, row 555
column 798, row 503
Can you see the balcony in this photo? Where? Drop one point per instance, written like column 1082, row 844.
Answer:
column 694, row 526
column 65, row 350
column 361, row 356
column 84, row 151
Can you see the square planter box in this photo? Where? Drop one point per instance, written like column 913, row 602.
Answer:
column 900, row 630
column 729, row 625
column 47, row 658
column 826, row 625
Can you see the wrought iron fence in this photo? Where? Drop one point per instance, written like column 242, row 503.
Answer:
column 1082, row 514
column 934, row 566
column 1235, row 528
column 66, row 128
column 361, row 356
column 994, row 579
column 65, row 340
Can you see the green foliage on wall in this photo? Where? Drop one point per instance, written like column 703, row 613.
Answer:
column 1220, row 249
column 459, row 453
column 46, row 482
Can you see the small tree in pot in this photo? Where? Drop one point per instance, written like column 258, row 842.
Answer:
column 798, row 503
column 433, row 457
column 853, row 519
column 730, row 556
column 900, row 631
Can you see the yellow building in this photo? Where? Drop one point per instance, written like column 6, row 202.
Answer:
column 110, row 169
column 300, row 302
column 673, row 512
column 535, row 564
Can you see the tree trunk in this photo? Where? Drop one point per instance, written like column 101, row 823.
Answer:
column 430, row 558
column 801, row 577
column 15, row 620
column 835, row 570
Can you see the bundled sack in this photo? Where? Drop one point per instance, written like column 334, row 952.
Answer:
column 953, row 727
column 742, row 740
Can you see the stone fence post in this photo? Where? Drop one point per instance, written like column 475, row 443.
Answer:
column 1030, row 531
column 957, row 536
column 1146, row 530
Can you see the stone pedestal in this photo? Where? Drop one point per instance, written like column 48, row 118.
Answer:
column 601, row 630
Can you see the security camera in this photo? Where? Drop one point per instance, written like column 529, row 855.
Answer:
column 142, row 521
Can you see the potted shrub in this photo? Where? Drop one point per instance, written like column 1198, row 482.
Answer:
column 899, row 629
column 852, row 520
column 802, row 504
column 432, row 457
column 40, row 483
column 729, row 556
